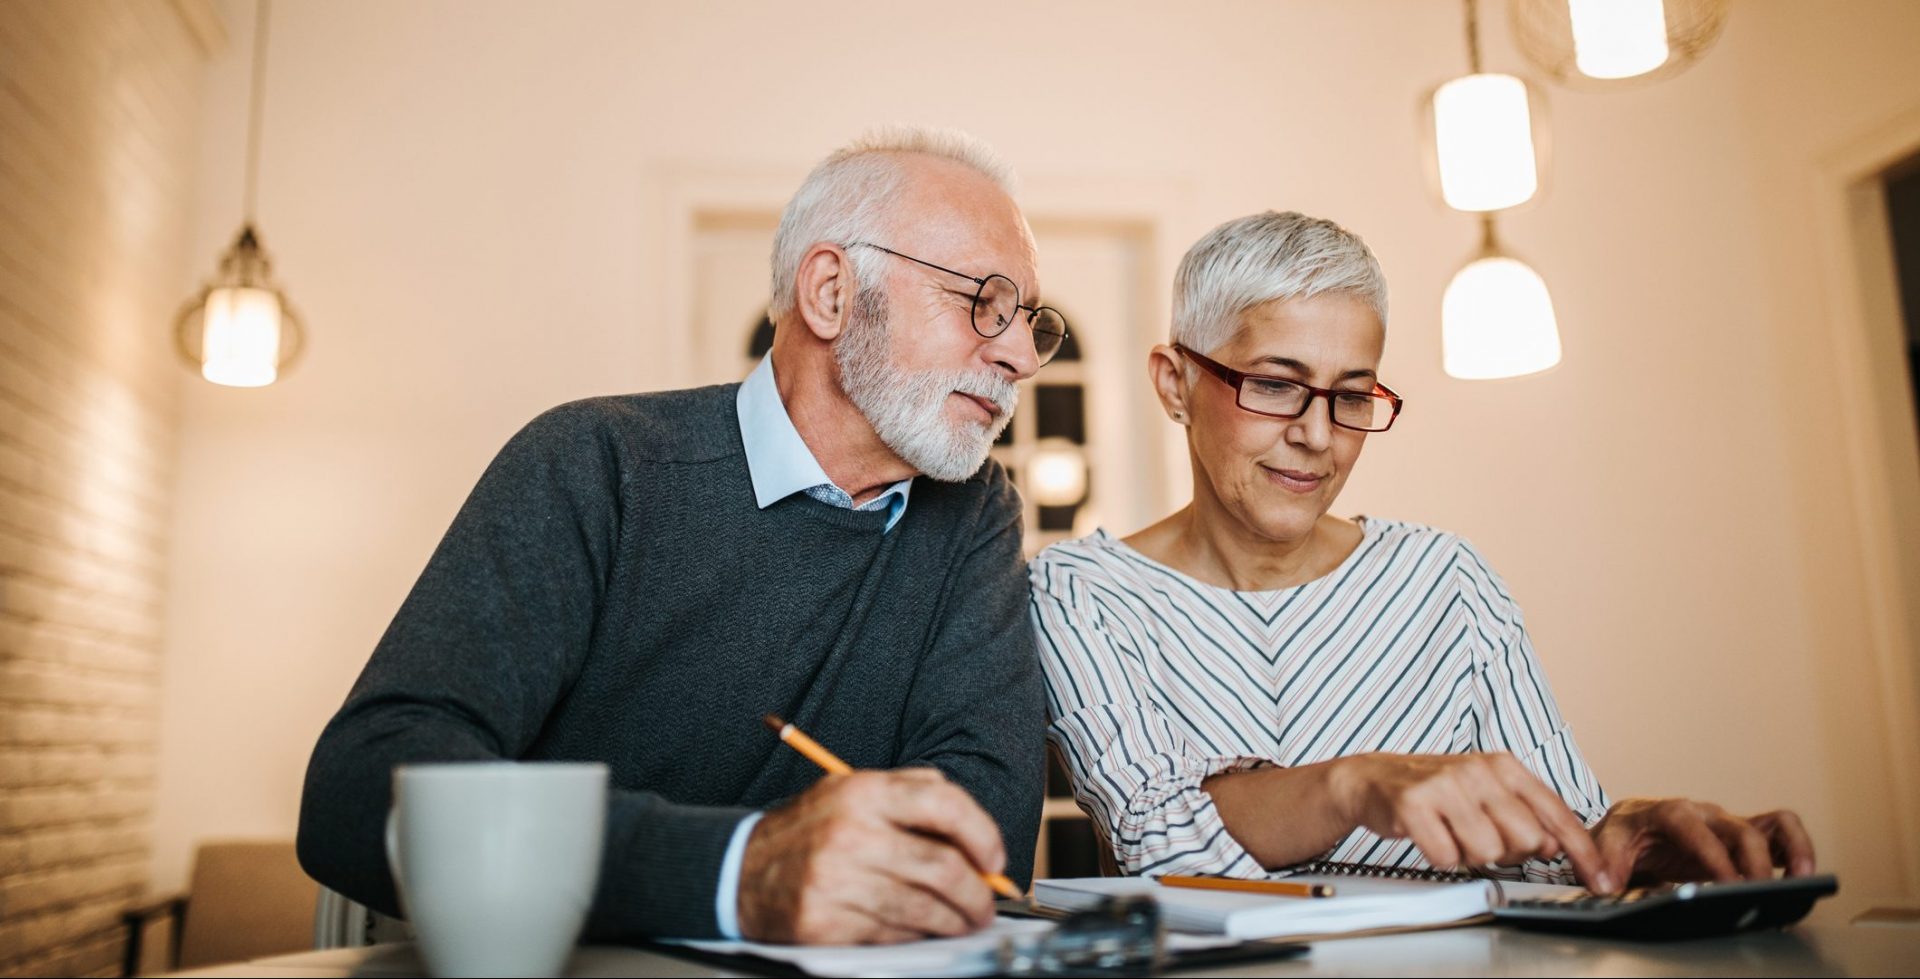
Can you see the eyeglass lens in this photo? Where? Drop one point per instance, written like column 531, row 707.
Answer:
column 997, row 305
column 1366, row 412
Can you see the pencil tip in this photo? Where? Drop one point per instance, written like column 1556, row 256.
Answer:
column 773, row 722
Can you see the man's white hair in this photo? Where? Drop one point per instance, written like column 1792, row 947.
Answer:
column 1263, row 257
column 847, row 198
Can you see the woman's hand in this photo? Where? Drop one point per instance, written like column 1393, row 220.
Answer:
column 1655, row 840
column 1466, row 811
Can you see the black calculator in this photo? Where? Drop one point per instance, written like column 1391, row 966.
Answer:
column 1671, row 911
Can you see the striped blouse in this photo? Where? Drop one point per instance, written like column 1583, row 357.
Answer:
column 1156, row 681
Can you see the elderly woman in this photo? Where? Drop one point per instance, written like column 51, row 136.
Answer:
column 1254, row 683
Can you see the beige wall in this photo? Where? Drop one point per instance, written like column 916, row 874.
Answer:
column 474, row 205
column 99, row 103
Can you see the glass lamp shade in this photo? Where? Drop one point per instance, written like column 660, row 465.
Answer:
column 1618, row 38
column 1057, row 473
column 1483, row 142
column 1611, row 44
column 239, row 330
column 1496, row 320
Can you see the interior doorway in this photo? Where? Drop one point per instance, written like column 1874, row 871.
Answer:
column 1902, row 188
column 1864, row 189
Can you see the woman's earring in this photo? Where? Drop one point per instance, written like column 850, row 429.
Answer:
column 1180, row 416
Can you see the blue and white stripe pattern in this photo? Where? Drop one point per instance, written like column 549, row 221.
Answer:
column 1156, row 681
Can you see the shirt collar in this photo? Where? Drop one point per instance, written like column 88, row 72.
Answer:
column 778, row 460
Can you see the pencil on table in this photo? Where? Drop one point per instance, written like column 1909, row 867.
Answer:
column 1278, row 888
column 819, row 755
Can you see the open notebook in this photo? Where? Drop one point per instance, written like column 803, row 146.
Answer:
column 1358, row 904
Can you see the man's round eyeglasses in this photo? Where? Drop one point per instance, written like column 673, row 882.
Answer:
column 1279, row 397
column 996, row 306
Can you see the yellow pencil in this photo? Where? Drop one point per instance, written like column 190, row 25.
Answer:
column 798, row 741
column 1278, row 888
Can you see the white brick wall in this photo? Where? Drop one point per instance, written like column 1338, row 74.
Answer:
column 98, row 107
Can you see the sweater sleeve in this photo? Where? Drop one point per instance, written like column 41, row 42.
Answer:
column 1137, row 777
column 492, row 635
column 974, row 710
column 1514, row 711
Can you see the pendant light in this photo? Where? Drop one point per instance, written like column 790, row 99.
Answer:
column 239, row 330
column 1609, row 44
column 1482, row 134
column 1496, row 317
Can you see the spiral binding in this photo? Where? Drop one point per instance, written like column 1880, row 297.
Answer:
column 1332, row 868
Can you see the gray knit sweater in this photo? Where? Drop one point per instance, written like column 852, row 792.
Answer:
column 611, row 592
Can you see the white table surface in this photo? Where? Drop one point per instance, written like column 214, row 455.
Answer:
column 1821, row 946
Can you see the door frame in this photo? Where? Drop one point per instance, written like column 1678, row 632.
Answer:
column 1882, row 450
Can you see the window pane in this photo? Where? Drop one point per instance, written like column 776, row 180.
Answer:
column 761, row 340
column 1070, row 349
column 1058, row 517
column 1062, row 409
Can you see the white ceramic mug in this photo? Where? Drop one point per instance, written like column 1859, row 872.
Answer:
column 497, row 861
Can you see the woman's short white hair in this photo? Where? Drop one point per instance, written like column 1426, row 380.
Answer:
column 1263, row 257
column 847, row 198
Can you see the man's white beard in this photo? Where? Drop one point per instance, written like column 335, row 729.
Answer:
column 907, row 409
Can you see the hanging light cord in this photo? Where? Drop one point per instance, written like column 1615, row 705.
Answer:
column 1473, row 36
column 262, row 14
column 1488, row 244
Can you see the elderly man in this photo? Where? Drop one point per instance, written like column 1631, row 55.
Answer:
column 638, row 579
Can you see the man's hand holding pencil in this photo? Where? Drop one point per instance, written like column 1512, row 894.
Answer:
column 871, row 857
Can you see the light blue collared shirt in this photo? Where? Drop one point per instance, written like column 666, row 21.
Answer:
column 779, row 461
column 780, row 465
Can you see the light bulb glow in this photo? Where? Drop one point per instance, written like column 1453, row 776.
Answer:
column 1483, row 135
column 1496, row 320
column 241, row 343
column 1618, row 38
column 1057, row 473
